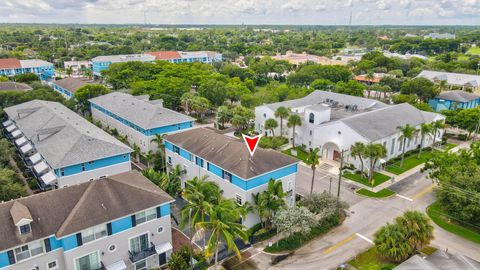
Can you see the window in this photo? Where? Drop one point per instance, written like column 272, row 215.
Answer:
column 311, row 118
column 408, row 143
column 145, row 216
column 311, row 132
column 264, row 115
column 139, row 243
column 238, row 199
column 199, row 161
column 400, row 145
column 83, row 167
column 112, row 248
column 25, row 229
column 27, row 251
column 91, row 162
column 141, row 265
column 392, row 147
column 309, row 143
column 94, row 233
column 52, row 265
column 227, row 176
column 88, row 262
column 62, row 172
column 160, row 229
column 169, row 160
column 176, row 149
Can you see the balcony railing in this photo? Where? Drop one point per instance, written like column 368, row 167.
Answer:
column 137, row 256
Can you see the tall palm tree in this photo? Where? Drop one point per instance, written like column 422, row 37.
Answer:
column 149, row 156
column 418, row 229
column 358, row 150
column 136, row 152
column 224, row 227
column 425, row 130
column 268, row 202
column 374, row 152
column 312, row 160
column 271, row 124
column 161, row 149
column 282, row 113
column 436, row 126
column 407, row 134
column 293, row 121
column 390, row 242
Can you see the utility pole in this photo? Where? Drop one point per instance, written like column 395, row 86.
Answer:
column 330, row 187
column 340, row 175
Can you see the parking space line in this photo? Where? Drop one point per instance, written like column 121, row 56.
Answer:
column 403, row 197
column 339, row 244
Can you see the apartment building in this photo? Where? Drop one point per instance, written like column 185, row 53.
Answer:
column 101, row 63
column 60, row 147
column 227, row 162
column 454, row 81
column 116, row 223
column 68, row 86
column 12, row 66
column 456, row 99
column 333, row 122
column 138, row 118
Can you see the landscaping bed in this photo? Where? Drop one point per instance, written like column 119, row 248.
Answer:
column 272, row 142
column 384, row 193
column 378, row 178
column 411, row 160
column 436, row 213
column 301, row 154
column 370, row 260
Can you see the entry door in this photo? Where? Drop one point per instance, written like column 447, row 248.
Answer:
column 336, row 155
column 162, row 259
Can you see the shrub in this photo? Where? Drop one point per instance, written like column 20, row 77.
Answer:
column 26, row 78
column 462, row 137
column 177, row 262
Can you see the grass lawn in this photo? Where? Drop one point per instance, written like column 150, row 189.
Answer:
column 411, row 160
column 380, row 194
column 378, row 178
column 300, row 153
column 370, row 260
column 435, row 212
column 448, row 146
column 474, row 50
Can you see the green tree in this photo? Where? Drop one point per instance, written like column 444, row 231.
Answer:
column 417, row 228
column 313, row 160
column 26, row 77
column 271, row 124
column 436, row 126
column 374, row 152
column 425, row 130
column 149, row 156
column 407, row 134
column 282, row 113
column 10, row 188
column 297, row 219
column 357, row 150
column 269, row 201
column 86, row 92
column 224, row 115
column 5, row 152
column 294, row 120
column 421, row 87
column 390, row 241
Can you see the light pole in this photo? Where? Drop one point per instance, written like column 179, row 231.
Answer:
column 340, row 174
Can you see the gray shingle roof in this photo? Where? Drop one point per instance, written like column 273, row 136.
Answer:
column 12, row 86
column 71, row 209
column 440, row 260
column 319, row 96
column 72, row 84
column 378, row 124
column 458, row 95
column 229, row 153
column 124, row 58
column 61, row 136
column 138, row 110
column 451, row 78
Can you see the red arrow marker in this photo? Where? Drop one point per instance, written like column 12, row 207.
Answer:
column 251, row 142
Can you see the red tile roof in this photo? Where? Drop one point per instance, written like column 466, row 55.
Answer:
column 7, row 63
column 165, row 55
column 363, row 78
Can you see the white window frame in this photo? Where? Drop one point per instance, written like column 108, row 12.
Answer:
column 238, row 196
column 55, row 267
column 144, row 260
column 95, row 232
column 75, row 259
column 148, row 216
column 20, row 229
column 29, row 250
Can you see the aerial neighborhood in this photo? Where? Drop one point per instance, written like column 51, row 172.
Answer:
column 231, row 147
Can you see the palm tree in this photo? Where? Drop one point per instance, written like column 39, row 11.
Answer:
column 161, row 149
column 417, row 228
column 293, row 121
column 149, row 156
column 268, row 202
column 313, row 161
column 407, row 134
column 271, row 124
column 374, row 152
column 282, row 113
column 223, row 226
column 358, row 150
column 390, row 242
column 224, row 115
column 425, row 130
column 436, row 126
column 136, row 151
column 186, row 100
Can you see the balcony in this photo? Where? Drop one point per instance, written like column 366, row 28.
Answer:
column 137, row 256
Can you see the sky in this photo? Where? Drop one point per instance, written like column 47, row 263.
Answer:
column 316, row 12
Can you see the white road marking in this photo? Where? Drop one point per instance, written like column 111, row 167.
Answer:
column 405, row 198
column 364, row 238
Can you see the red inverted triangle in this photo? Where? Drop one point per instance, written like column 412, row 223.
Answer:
column 251, row 142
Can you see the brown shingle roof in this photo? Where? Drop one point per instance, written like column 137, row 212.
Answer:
column 165, row 55
column 19, row 212
column 72, row 209
column 72, row 84
column 7, row 63
column 13, row 86
column 229, row 153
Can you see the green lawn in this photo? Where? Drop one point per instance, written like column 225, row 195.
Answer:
column 380, row 194
column 411, row 160
column 436, row 213
column 474, row 50
column 370, row 260
column 378, row 178
column 300, row 153
column 448, row 146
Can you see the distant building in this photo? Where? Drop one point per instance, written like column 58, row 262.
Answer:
column 69, row 85
column 334, row 122
column 12, row 66
column 404, row 56
column 138, row 118
column 440, row 36
column 13, row 86
column 364, row 78
column 101, row 63
column 78, row 67
column 439, row 260
column 120, row 222
column 453, row 80
column 60, row 147
column 457, row 99
column 227, row 162
column 300, row 58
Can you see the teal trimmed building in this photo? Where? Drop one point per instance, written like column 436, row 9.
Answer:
column 457, row 99
column 12, row 66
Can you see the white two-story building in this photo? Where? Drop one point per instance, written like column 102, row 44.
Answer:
column 116, row 223
column 138, row 118
column 334, row 122
column 227, row 162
